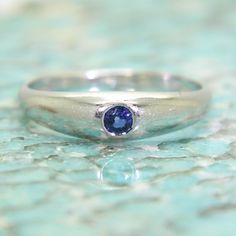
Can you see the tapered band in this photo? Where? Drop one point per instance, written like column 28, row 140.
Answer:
column 103, row 104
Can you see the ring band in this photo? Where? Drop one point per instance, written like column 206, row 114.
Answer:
column 103, row 104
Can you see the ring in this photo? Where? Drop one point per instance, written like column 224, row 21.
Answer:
column 106, row 104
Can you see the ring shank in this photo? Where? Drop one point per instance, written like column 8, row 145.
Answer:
column 69, row 104
column 92, row 82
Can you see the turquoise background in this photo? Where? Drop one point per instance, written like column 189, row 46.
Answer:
column 182, row 184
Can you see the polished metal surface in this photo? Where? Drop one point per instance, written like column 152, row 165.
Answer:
column 73, row 104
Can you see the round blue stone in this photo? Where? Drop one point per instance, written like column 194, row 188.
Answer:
column 118, row 120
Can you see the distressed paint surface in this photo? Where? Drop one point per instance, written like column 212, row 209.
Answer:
column 183, row 183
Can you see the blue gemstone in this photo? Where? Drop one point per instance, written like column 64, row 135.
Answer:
column 118, row 120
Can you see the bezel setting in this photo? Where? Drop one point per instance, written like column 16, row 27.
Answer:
column 117, row 111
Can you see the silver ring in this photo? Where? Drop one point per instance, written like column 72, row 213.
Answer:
column 103, row 104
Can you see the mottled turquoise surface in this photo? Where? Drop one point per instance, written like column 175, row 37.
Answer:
column 181, row 184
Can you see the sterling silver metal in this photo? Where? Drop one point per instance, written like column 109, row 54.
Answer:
column 75, row 104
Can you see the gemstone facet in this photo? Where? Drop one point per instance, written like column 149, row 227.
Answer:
column 118, row 120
